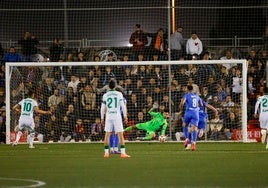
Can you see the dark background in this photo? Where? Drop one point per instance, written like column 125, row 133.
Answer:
column 115, row 20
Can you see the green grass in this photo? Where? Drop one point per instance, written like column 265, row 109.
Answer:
column 150, row 165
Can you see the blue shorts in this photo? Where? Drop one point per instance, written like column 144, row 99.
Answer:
column 191, row 117
column 202, row 123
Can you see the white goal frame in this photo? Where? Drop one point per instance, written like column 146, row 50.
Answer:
column 22, row 64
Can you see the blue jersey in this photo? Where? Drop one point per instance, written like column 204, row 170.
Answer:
column 202, row 111
column 202, row 116
column 191, row 116
column 192, row 101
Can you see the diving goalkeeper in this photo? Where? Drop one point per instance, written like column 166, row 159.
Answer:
column 159, row 122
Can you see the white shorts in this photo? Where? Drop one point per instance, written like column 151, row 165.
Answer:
column 26, row 123
column 113, row 125
column 263, row 119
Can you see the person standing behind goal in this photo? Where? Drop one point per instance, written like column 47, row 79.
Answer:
column 261, row 109
column 112, row 104
column 26, row 107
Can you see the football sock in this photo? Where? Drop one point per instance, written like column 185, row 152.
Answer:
column 123, row 149
column 185, row 132
column 18, row 136
column 116, row 142
column 112, row 139
column 194, row 135
column 106, row 149
column 31, row 140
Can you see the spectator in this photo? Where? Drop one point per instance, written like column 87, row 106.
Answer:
column 158, row 45
column 28, row 46
column 73, row 83
column 82, row 84
column 12, row 56
column 265, row 38
column 260, row 71
column 228, row 56
column 54, row 99
column 133, row 106
column 66, row 129
column 97, row 131
column 71, row 115
column 205, row 95
column 56, row 50
column 53, row 129
column 46, row 91
column 1, row 52
column 79, row 133
column 221, row 94
column 160, row 78
column 148, row 104
column 194, row 47
column 229, row 124
column 88, row 97
column 108, row 75
column 228, row 103
column 215, row 125
column 237, row 86
column 139, row 40
column 177, row 44
column 252, row 56
column 168, row 104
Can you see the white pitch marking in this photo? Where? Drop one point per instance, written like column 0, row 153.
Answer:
column 38, row 183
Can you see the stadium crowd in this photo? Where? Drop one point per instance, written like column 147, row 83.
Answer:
column 73, row 93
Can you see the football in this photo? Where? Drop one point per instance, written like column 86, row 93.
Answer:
column 162, row 138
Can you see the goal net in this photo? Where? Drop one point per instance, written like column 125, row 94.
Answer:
column 72, row 91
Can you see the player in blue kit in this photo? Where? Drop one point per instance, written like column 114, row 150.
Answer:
column 203, row 117
column 191, row 117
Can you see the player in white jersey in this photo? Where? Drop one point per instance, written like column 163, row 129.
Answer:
column 26, row 107
column 261, row 110
column 112, row 103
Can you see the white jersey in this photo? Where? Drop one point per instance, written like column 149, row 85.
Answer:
column 112, row 108
column 26, row 116
column 261, row 108
column 27, row 107
column 112, row 104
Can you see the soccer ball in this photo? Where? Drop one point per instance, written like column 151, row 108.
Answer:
column 162, row 138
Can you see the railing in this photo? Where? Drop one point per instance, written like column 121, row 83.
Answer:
column 234, row 42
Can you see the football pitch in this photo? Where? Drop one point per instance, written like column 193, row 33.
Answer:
column 151, row 165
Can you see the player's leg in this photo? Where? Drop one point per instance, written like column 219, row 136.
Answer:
column 263, row 135
column 106, row 144
column 118, row 127
column 32, row 135
column 194, row 132
column 114, row 142
column 185, row 126
column 122, row 145
column 130, row 128
column 19, row 133
column 264, row 126
column 201, row 127
column 108, row 130
column 149, row 135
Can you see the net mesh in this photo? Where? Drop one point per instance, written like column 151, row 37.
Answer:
column 75, row 99
column 75, row 31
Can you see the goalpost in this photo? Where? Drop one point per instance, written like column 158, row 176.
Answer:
column 21, row 76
